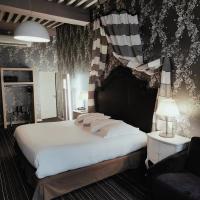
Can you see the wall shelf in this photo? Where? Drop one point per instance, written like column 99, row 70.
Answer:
column 17, row 92
column 17, row 83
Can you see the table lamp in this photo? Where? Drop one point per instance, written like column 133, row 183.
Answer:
column 83, row 96
column 167, row 110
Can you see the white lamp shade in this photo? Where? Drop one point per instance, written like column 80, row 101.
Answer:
column 31, row 31
column 167, row 108
column 83, row 95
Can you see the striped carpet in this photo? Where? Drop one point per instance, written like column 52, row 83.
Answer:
column 125, row 186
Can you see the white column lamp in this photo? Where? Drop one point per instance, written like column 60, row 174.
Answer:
column 168, row 111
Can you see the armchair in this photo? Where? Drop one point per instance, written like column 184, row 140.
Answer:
column 178, row 176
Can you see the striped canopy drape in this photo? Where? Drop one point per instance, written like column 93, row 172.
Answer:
column 165, row 91
column 99, row 55
column 121, row 31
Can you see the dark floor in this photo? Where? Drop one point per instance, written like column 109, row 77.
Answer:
column 126, row 186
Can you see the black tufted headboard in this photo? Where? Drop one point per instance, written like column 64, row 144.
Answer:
column 124, row 97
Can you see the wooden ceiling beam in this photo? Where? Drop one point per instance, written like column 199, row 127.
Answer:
column 80, row 3
column 51, row 24
column 40, row 20
column 60, row 1
column 45, row 23
column 17, row 18
column 90, row 4
column 47, row 10
column 34, row 18
column 1, row 15
column 59, row 24
column 10, row 16
column 25, row 19
column 71, row 2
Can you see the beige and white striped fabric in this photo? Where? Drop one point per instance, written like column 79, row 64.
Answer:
column 122, row 32
column 99, row 55
column 165, row 89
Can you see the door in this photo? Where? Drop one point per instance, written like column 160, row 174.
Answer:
column 47, row 94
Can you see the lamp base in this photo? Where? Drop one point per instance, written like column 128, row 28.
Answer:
column 166, row 135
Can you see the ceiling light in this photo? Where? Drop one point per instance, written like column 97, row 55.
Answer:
column 31, row 31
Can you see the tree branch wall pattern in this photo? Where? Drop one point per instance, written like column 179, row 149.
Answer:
column 74, row 47
column 170, row 28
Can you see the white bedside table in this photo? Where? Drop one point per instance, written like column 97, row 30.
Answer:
column 159, row 148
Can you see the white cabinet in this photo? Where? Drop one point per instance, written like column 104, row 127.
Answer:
column 159, row 147
column 47, row 94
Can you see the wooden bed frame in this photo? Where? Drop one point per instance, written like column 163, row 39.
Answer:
column 122, row 96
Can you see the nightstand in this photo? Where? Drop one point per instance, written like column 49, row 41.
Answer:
column 76, row 113
column 159, row 148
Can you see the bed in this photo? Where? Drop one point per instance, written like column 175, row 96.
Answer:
column 56, row 163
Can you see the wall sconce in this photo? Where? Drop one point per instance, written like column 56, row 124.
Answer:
column 167, row 110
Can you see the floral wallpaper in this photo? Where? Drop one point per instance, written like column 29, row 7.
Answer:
column 40, row 56
column 170, row 28
column 74, row 46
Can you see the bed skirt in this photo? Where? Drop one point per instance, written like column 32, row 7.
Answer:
column 60, row 184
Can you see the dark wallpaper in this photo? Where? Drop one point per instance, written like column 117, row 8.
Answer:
column 74, row 46
column 40, row 56
column 170, row 28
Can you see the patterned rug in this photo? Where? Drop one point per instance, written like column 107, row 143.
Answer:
column 125, row 186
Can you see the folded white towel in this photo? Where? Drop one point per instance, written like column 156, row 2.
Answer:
column 98, row 124
column 89, row 120
column 117, row 129
column 81, row 117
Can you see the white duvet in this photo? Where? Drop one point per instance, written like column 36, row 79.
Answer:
column 57, row 147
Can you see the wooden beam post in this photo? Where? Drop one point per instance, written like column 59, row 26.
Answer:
column 10, row 16
column 47, row 10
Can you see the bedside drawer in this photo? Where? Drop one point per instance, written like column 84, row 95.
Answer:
column 163, row 156
column 167, row 149
column 152, row 150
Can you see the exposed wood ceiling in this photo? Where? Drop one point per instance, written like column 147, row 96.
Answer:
column 85, row 4
column 50, row 13
column 7, row 17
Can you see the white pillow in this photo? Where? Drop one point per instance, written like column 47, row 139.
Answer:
column 90, row 119
column 115, row 130
column 98, row 124
column 81, row 117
